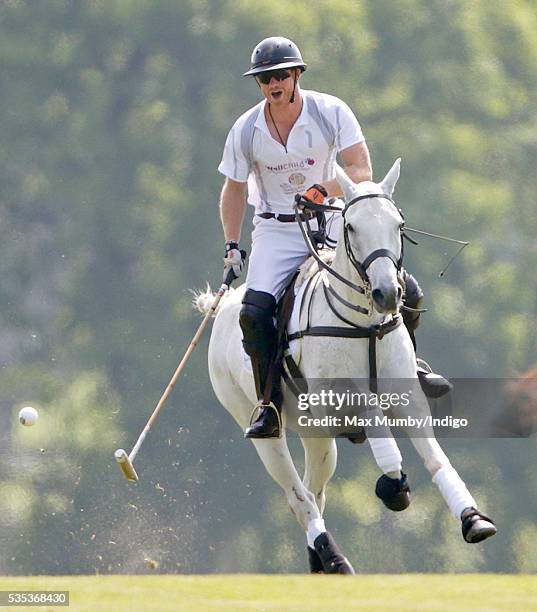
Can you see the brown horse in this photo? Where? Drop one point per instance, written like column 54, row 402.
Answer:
column 520, row 415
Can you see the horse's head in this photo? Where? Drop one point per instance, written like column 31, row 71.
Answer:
column 371, row 234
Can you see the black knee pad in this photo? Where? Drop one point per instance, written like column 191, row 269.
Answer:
column 257, row 322
column 413, row 299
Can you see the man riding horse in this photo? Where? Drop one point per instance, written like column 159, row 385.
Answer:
column 273, row 151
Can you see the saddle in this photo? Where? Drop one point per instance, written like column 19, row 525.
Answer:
column 285, row 363
column 305, row 277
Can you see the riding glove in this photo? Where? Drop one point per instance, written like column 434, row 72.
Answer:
column 315, row 195
column 233, row 261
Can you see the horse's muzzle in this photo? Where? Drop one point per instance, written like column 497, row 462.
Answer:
column 387, row 299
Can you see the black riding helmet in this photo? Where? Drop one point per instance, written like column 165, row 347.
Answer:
column 274, row 53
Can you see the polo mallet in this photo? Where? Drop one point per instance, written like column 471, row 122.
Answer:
column 125, row 461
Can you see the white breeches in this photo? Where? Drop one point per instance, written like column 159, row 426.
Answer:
column 278, row 249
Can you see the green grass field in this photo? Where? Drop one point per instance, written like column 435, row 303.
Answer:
column 475, row 592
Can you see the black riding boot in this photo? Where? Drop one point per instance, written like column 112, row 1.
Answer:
column 260, row 343
column 433, row 385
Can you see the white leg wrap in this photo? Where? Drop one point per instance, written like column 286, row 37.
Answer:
column 315, row 528
column 386, row 453
column 453, row 490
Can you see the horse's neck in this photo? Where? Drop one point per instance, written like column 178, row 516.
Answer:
column 343, row 266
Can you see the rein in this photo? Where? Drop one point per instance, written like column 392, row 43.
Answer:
column 315, row 254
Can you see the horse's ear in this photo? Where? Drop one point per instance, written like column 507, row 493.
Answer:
column 389, row 181
column 346, row 184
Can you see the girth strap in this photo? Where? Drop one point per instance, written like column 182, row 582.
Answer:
column 295, row 380
column 372, row 333
column 355, row 307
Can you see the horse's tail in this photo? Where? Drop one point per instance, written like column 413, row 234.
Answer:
column 203, row 300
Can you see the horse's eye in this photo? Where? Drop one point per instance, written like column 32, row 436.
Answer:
column 349, row 228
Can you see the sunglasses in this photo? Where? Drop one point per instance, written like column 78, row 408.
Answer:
column 279, row 75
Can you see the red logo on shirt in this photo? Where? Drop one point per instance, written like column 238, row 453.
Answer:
column 290, row 166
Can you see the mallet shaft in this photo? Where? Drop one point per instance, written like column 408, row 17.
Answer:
column 125, row 461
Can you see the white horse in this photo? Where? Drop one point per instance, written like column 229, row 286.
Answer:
column 366, row 294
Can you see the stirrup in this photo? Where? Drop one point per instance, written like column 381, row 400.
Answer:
column 423, row 365
column 256, row 412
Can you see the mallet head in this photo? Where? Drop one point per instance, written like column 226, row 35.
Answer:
column 126, row 465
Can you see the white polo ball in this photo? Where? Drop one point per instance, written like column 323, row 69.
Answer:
column 28, row 416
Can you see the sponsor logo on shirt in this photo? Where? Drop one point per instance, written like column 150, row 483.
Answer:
column 303, row 163
column 290, row 189
column 297, row 179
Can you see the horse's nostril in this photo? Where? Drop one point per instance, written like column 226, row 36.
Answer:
column 377, row 295
column 399, row 293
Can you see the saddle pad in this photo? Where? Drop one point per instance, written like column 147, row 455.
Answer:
column 294, row 323
column 308, row 269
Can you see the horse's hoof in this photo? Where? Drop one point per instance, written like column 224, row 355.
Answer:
column 316, row 565
column 332, row 559
column 476, row 527
column 393, row 492
column 359, row 437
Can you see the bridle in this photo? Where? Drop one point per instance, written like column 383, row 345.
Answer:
column 360, row 266
column 372, row 332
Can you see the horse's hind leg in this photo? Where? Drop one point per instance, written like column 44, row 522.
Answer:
column 475, row 525
column 320, row 463
column 320, row 456
column 274, row 454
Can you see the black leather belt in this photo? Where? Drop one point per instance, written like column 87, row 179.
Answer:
column 282, row 217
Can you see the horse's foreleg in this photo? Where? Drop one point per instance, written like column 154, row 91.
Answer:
column 444, row 475
column 383, row 445
column 387, row 454
column 475, row 525
column 392, row 487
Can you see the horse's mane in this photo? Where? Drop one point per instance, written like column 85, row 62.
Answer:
column 310, row 267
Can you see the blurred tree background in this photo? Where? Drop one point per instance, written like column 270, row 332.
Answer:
column 113, row 119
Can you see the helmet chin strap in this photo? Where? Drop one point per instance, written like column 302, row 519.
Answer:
column 292, row 98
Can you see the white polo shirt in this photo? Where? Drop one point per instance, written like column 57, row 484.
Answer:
column 325, row 126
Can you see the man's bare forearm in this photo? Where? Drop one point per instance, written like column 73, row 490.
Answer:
column 232, row 209
column 356, row 163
